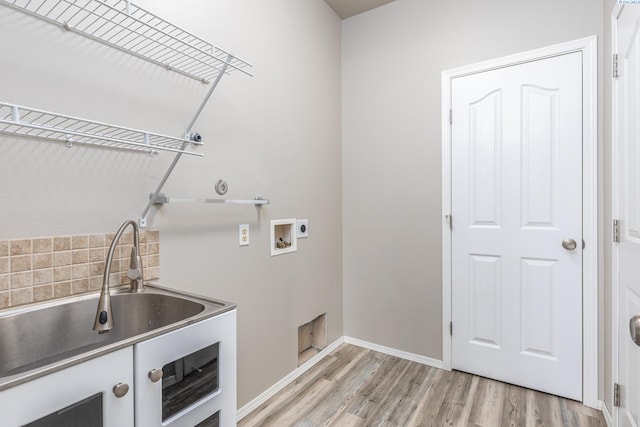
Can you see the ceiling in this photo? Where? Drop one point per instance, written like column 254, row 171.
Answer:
column 347, row 8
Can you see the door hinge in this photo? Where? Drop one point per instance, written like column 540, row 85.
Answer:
column 449, row 219
column 616, row 394
column 450, row 116
column 616, row 231
column 614, row 62
column 451, row 328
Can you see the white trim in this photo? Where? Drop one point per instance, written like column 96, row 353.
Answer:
column 615, row 186
column 588, row 47
column 605, row 413
column 446, row 227
column 292, row 376
column 590, row 180
column 393, row 352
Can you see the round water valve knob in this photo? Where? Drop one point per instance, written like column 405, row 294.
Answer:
column 221, row 187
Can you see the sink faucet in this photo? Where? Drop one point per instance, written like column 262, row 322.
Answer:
column 104, row 317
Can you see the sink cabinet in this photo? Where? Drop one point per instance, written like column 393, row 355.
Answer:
column 198, row 388
column 52, row 400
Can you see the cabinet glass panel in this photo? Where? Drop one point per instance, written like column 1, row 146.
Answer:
column 87, row 412
column 212, row 421
column 189, row 379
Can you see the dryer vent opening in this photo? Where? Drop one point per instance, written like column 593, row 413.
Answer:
column 312, row 338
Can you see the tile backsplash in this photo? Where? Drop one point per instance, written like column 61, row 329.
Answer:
column 44, row 268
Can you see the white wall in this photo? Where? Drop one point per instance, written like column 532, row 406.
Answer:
column 275, row 135
column 392, row 59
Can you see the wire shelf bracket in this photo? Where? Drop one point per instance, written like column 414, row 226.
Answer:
column 158, row 198
column 136, row 31
column 132, row 29
column 31, row 122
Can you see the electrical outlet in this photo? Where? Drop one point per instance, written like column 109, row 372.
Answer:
column 243, row 235
column 302, row 228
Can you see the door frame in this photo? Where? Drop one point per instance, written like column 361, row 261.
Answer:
column 588, row 47
column 615, row 213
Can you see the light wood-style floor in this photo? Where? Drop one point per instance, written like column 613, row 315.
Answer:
column 354, row 386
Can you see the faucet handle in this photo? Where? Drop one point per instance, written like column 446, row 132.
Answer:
column 135, row 269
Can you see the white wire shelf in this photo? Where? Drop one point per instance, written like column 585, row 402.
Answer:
column 30, row 122
column 130, row 28
column 162, row 199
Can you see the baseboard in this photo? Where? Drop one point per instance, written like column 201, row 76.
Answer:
column 605, row 413
column 394, row 352
column 268, row 393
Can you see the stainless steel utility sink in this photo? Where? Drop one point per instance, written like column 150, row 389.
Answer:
column 41, row 338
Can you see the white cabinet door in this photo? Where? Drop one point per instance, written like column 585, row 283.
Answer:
column 516, row 195
column 38, row 398
column 157, row 352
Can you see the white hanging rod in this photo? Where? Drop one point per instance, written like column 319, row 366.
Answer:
column 130, row 28
column 162, row 199
column 31, row 122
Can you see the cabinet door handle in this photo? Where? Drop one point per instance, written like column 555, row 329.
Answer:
column 120, row 390
column 155, row 375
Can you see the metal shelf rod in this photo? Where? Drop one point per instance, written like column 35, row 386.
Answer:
column 162, row 199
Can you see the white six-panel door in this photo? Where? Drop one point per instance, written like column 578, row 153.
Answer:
column 628, row 211
column 516, row 194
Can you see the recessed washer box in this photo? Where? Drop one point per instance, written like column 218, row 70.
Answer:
column 283, row 236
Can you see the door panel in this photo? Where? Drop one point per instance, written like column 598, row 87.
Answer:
column 628, row 191
column 484, row 117
column 539, row 307
column 485, row 300
column 516, row 194
column 539, row 160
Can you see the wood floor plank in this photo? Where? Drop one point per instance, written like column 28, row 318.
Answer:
column 544, row 408
column 395, row 399
column 348, row 356
column 346, row 419
column 487, row 403
column 289, row 394
column 342, row 391
column 433, row 398
column 378, row 387
column 453, row 408
column 406, row 396
column 514, row 407
column 317, row 391
column 356, row 387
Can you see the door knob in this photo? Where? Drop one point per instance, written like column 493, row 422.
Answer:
column 634, row 329
column 120, row 390
column 569, row 244
column 155, row 375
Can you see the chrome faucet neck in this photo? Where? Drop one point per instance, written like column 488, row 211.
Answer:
column 104, row 318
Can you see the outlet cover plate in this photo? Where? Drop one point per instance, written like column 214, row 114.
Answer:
column 243, row 235
column 302, row 228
